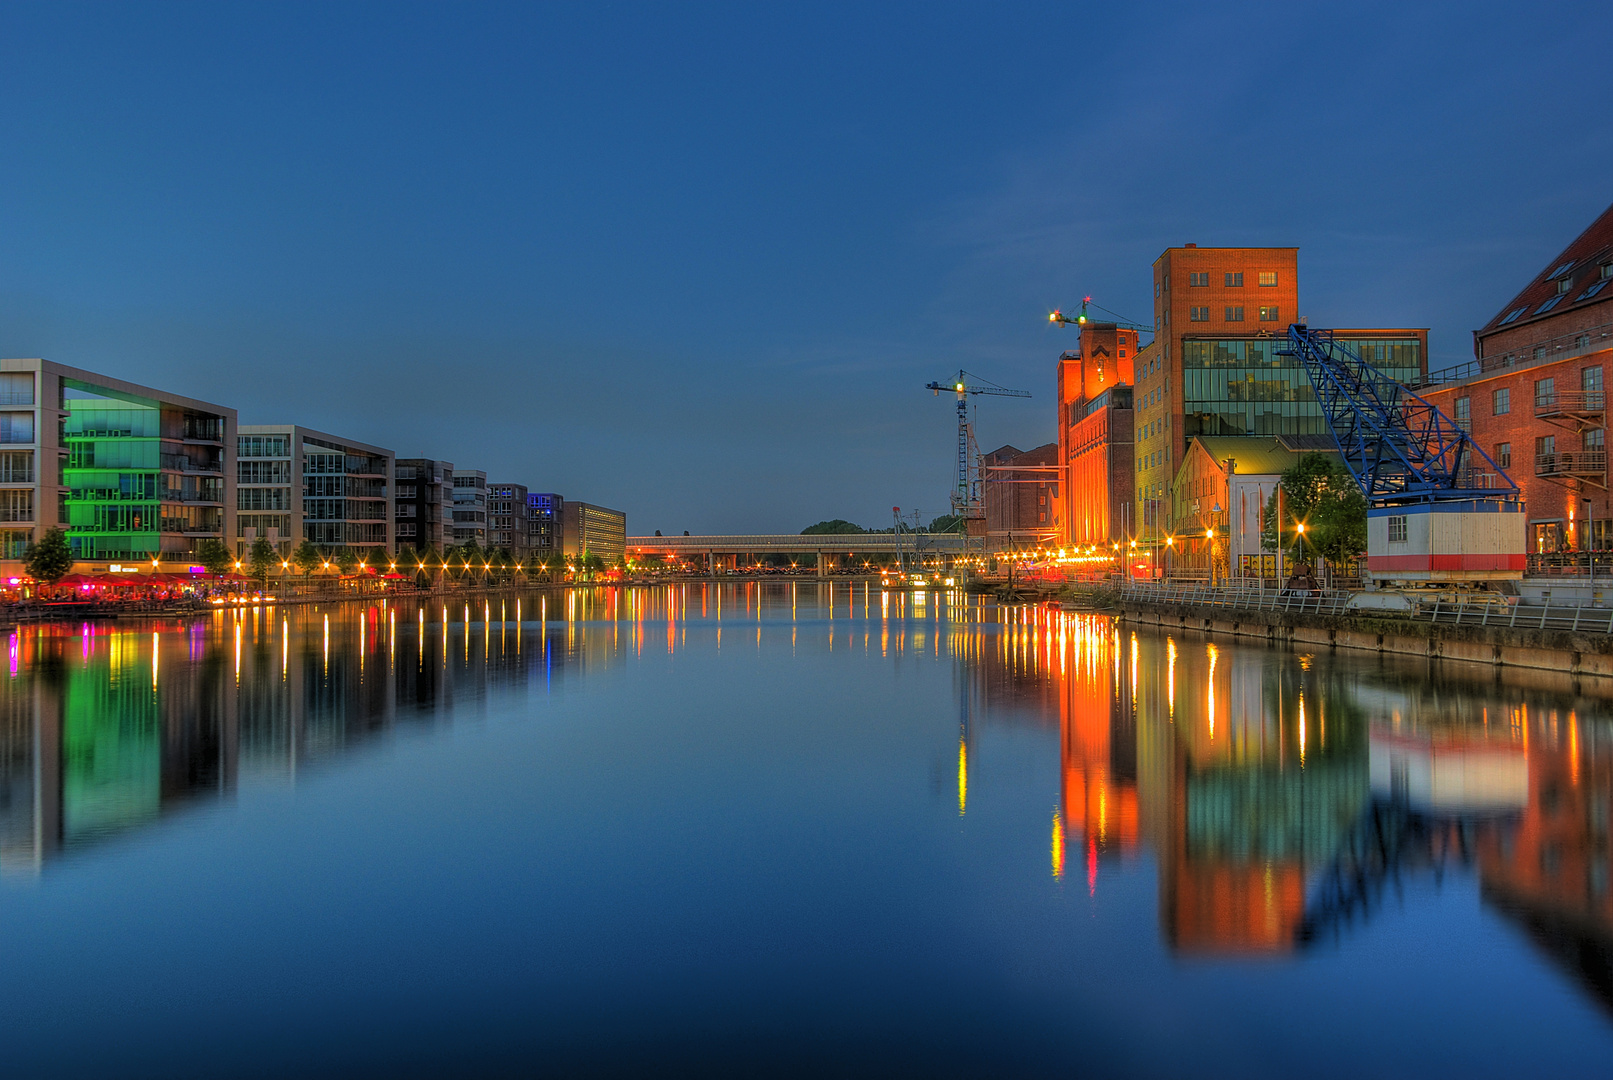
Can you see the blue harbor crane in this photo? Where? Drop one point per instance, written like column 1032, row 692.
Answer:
column 1435, row 514
column 966, row 495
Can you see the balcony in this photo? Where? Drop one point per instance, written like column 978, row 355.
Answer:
column 1576, row 410
column 1589, row 465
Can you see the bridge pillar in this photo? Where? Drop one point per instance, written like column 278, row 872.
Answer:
column 824, row 564
column 711, row 564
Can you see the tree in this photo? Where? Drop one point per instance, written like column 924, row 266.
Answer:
column 346, row 560
column 837, row 527
column 49, row 558
column 215, row 555
column 947, row 523
column 261, row 559
column 1320, row 493
column 307, row 558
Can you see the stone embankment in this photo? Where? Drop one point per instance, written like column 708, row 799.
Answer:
column 1565, row 651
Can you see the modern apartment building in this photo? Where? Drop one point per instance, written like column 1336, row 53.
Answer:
column 423, row 512
column 1534, row 398
column 545, row 524
column 508, row 525
column 470, row 507
column 594, row 530
column 294, row 484
column 1217, row 365
column 129, row 472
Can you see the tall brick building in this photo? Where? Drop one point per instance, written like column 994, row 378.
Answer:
column 1096, row 429
column 1021, row 499
column 1533, row 395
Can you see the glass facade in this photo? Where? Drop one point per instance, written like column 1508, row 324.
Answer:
column 1244, row 386
column 142, row 480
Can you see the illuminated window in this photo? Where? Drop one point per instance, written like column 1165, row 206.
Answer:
column 1268, row 279
column 1234, row 281
column 1268, row 314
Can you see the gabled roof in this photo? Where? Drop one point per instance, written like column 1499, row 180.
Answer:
column 1580, row 262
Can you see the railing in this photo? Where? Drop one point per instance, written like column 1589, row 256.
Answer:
column 1540, row 352
column 1558, row 402
column 1576, row 563
column 1315, row 601
column 1491, row 610
column 1581, row 463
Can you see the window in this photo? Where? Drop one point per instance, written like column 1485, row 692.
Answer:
column 1268, row 279
column 1464, row 411
column 1198, row 281
column 17, row 467
column 1545, row 393
column 16, row 427
column 17, row 388
column 1512, row 315
column 1268, row 314
column 1546, row 444
column 1590, row 379
column 1501, row 402
column 1564, row 268
column 1503, row 455
column 17, row 505
column 1540, row 352
column 1397, row 529
column 1234, row 281
column 1234, row 314
column 1198, row 314
column 1595, row 440
column 1549, row 304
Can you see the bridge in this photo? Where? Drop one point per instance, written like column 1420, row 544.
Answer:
column 825, row 549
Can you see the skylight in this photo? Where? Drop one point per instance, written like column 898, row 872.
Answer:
column 1549, row 304
column 1512, row 315
column 1594, row 289
column 1561, row 270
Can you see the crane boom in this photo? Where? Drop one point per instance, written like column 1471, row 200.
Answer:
column 1398, row 446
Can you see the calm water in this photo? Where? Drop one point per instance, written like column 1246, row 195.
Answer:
column 772, row 829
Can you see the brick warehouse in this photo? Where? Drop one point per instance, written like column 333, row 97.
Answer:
column 1533, row 395
column 1096, row 430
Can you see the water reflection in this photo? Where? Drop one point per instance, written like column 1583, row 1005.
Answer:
column 1284, row 799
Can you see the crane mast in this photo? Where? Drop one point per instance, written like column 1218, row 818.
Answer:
column 966, row 491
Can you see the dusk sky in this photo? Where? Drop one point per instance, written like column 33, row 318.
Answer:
column 697, row 262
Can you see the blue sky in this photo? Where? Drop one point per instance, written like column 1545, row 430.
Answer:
column 697, row 262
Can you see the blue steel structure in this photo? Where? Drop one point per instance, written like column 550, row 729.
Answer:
column 1400, row 448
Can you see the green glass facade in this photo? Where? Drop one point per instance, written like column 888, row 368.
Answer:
column 1245, row 387
column 143, row 479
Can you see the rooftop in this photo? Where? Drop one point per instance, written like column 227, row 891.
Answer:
column 1578, row 276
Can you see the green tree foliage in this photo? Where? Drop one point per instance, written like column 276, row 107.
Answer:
column 261, row 558
column 215, row 555
column 947, row 523
column 836, row 527
column 307, row 557
column 49, row 558
column 346, row 560
column 1320, row 492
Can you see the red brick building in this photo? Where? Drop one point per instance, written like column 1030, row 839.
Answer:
column 1021, row 499
column 1533, row 396
column 1097, row 435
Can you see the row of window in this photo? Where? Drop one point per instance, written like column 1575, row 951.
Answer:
column 1233, row 313
column 1201, row 279
column 1590, row 385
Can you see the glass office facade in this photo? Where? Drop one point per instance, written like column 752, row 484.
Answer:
column 1244, row 386
column 142, row 479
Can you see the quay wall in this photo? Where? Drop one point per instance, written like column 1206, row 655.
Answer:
column 1560, row 651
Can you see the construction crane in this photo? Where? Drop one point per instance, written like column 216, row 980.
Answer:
column 1433, row 515
column 1058, row 318
column 966, row 495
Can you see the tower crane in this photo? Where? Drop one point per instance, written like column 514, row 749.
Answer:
column 1434, row 515
column 1058, row 318
column 966, row 495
